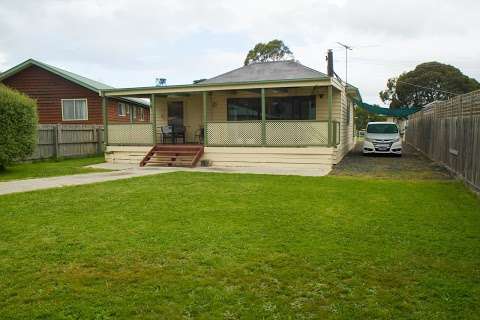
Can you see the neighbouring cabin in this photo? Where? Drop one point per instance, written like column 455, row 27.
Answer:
column 275, row 114
column 67, row 98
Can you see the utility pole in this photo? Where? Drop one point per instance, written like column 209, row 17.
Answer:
column 347, row 47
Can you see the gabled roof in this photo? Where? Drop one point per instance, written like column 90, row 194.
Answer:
column 70, row 76
column 267, row 71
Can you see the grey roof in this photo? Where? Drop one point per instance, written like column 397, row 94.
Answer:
column 267, row 71
column 78, row 79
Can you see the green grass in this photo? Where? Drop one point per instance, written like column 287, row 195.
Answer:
column 224, row 246
column 50, row 168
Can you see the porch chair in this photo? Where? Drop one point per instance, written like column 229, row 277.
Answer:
column 167, row 133
column 178, row 132
column 199, row 135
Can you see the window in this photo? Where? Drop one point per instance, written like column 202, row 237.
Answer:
column 122, row 109
column 134, row 112
column 347, row 118
column 382, row 128
column 291, row 108
column 243, row 109
column 74, row 109
column 277, row 108
column 142, row 114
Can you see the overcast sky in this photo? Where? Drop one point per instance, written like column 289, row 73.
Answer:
column 130, row 43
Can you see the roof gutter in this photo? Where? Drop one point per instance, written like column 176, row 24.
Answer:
column 324, row 81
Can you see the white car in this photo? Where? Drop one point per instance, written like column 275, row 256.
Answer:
column 382, row 137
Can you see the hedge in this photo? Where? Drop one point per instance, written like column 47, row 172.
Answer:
column 18, row 126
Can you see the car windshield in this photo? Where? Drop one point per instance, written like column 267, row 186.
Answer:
column 382, row 128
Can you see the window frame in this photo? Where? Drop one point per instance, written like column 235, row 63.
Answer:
column 269, row 103
column 292, row 100
column 119, row 107
column 259, row 107
column 75, row 99
column 349, row 107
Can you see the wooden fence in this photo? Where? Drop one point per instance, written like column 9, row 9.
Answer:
column 449, row 132
column 67, row 140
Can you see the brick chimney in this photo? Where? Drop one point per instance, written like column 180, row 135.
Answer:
column 330, row 71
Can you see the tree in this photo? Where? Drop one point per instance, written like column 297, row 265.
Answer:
column 274, row 50
column 18, row 126
column 417, row 87
column 362, row 117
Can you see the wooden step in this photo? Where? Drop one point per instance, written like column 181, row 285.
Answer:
column 173, row 155
column 176, row 152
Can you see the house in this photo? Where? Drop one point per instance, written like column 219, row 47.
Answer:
column 68, row 98
column 275, row 114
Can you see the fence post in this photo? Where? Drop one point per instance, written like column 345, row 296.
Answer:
column 58, row 140
column 55, row 140
column 99, row 139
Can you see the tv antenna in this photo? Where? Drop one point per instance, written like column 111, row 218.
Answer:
column 347, row 47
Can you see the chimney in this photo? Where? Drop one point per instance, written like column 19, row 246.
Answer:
column 330, row 63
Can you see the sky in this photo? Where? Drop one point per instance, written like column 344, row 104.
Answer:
column 131, row 43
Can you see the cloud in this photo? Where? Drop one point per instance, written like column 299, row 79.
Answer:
column 130, row 43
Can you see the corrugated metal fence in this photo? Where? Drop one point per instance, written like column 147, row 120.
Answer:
column 449, row 132
column 68, row 140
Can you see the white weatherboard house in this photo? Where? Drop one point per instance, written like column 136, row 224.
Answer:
column 272, row 114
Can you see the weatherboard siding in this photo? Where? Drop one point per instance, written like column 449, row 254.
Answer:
column 347, row 140
column 48, row 89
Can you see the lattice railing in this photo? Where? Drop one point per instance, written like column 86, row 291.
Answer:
column 277, row 133
column 235, row 133
column 130, row 134
column 296, row 133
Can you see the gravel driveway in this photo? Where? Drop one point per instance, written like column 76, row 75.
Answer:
column 412, row 165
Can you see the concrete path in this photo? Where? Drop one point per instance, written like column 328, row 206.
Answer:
column 251, row 170
column 125, row 171
column 71, row 180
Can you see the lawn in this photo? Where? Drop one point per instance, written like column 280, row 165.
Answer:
column 50, row 168
column 225, row 246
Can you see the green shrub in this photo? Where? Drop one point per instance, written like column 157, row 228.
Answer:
column 18, row 125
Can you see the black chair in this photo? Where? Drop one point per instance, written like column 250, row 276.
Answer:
column 178, row 132
column 167, row 133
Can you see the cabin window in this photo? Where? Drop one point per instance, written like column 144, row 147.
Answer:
column 243, row 109
column 291, row 108
column 122, row 109
column 277, row 108
column 74, row 109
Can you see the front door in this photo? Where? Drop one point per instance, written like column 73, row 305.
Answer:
column 175, row 113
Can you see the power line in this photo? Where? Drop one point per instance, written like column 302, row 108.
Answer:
column 416, row 85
